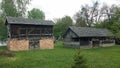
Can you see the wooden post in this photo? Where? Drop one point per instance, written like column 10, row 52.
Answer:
column 79, row 42
column 100, row 43
column 18, row 32
column 90, row 44
column 26, row 32
column 114, row 42
column 9, row 30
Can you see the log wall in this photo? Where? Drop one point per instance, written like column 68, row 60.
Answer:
column 72, row 44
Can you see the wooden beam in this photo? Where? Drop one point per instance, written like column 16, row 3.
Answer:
column 9, row 30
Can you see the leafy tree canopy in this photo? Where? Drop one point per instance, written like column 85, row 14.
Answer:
column 36, row 14
column 3, row 30
column 62, row 25
column 14, row 8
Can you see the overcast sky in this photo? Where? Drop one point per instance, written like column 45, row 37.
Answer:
column 59, row 8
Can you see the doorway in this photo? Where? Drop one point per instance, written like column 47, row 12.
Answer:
column 34, row 44
column 95, row 43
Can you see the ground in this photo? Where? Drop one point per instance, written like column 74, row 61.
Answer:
column 107, row 57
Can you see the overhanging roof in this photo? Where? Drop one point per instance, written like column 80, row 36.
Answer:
column 91, row 32
column 13, row 20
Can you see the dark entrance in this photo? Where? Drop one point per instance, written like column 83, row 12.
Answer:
column 33, row 44
column 95, row 43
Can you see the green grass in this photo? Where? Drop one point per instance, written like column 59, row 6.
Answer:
column 59, row 57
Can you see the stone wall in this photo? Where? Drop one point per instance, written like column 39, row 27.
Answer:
column 109, row 44
column 46, row 43
column 105, row 44
column 17, row 45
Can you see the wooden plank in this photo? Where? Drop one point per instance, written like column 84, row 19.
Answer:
column 9, row 30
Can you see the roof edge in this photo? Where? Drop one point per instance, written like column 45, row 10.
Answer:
column 8, row 18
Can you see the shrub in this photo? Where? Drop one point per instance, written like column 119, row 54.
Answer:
column 79, row 61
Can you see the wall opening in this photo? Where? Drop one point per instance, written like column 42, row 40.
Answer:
column 95, row 43
column 34, row 44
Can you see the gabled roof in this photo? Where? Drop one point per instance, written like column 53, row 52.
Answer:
column 13, row 20
column 90, row 32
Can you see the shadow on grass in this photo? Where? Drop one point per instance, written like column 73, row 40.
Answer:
column 5, row 52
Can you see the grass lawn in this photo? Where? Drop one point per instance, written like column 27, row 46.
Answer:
column 107, row 57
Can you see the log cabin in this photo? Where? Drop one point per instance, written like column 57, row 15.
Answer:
column 86, row 37
column 29, row 34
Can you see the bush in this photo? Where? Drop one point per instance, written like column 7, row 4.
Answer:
column 79, row 61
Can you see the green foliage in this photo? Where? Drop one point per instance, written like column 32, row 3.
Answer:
column 79, row 61
column 80, row 23
column 9, row 9
column 102, row 25
column 62, row 25
column 115, row 16
column 21, row 6
column 14, row 8
column 87, row 15
column 3, row 30
column 117, row 35
column 115, row 28
column 36, row 14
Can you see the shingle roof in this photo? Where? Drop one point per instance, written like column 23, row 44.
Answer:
column 90, row 32
column 12, row 20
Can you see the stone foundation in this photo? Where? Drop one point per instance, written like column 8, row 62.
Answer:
column 106, row 45
column 17, row 45
column 112, row 43
column 46, row 43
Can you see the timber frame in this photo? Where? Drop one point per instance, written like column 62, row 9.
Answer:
column 30, row 30
column 85, row 37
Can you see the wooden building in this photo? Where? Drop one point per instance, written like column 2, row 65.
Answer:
column 84, row 37
column 25, row 34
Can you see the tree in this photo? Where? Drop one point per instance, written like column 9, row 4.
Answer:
column 115, row 29
column 62, row 25
column 115, row 14
column 21, row 6
column 88, row 14
column 80, row 22
column 14, row 8
column 9, row 9
column 3, row 30
column 79, row 61
column 36, row 14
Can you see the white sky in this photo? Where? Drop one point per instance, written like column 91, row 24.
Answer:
column 59, row 8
